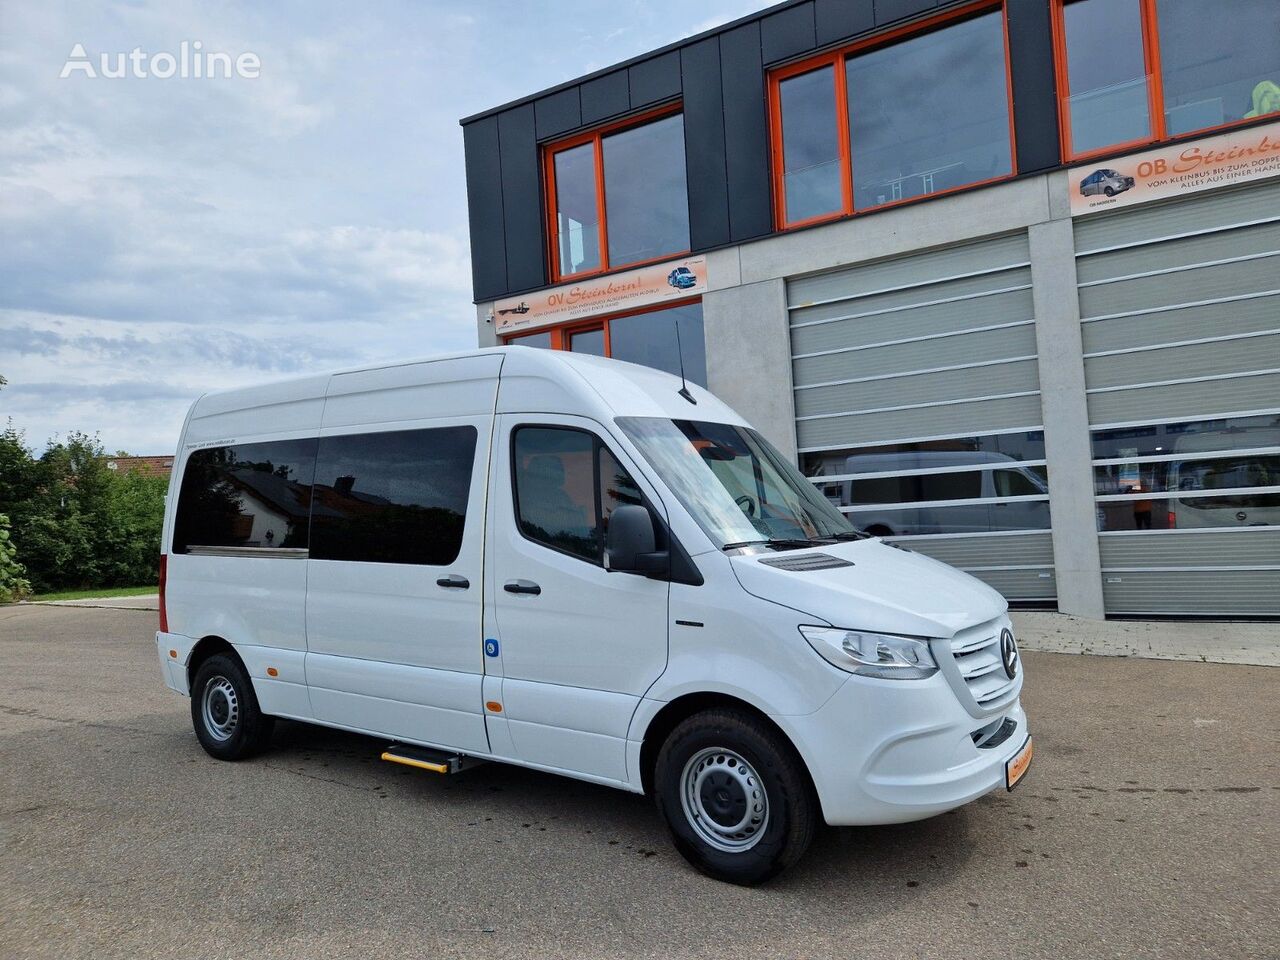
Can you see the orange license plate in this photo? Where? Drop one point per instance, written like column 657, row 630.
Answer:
column 1017, row 765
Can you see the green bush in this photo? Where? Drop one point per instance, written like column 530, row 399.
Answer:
column 13, row 585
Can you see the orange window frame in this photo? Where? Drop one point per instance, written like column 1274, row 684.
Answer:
column 1154, row 64
column 594, row 137
column 562, row 335
column 836, row 60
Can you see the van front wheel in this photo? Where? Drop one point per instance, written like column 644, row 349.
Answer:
column 735, row 796
column 224, row 710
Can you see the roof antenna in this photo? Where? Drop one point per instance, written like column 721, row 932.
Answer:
column 684, row 387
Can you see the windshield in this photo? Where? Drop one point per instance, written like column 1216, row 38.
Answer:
column 734, row 483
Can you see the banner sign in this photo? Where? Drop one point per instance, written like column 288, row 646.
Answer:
column 1235, row 157
column 582, row 299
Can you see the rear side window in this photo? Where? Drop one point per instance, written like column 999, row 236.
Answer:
column 253, row 495
column 567, row 485
column 395, row 497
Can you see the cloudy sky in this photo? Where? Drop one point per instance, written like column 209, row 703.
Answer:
column 164, row 237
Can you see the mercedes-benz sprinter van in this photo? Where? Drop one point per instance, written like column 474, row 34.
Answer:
column 585, row 567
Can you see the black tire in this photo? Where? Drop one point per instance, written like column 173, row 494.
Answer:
column 235, row 728
column 1109, row 191
column 707, row 743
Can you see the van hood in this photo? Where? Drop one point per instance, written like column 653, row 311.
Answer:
column 882, row 589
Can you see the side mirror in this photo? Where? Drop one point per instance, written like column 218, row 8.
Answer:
column 630, row 544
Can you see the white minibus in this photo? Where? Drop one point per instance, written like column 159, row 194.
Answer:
column 585, row 567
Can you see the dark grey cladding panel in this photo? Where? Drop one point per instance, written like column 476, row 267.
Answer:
column 837, row 20
column 655, row 79
column 704, row 144
column 484, row 208
column 788, row 33
column 558, row 112
column 521, row 198
column 1035, row 97
column 887, row 11
column 746, row 134
column 605, row 97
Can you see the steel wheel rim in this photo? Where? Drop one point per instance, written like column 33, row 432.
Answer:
column 724, row 800
column 220, row 709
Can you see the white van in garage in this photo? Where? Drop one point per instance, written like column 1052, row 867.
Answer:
column 585, row 567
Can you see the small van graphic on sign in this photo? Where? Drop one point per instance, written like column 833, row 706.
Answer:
column 1106, row 182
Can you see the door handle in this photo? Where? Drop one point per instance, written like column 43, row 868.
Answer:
column 522, row 586
column 455, row 581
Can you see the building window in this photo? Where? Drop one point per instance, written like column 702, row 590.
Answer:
column 1191, row 475
column 860, row 128
column 1218, row 63
column 657, row 337
column 812, row 172
column 1106, row 75
column 994, row 483
column 619, row 197
column 1140, row 71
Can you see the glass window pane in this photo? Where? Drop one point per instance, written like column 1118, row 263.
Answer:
column 577, row 219
column 911, row 135
column 555, row 487
column 616, row 487
column 645, row 191
column 542, row 340
column 1107, row 74
column 811, row 173
column 979, row 517
column 650, row 339
column 394, row 497
column 588, row 341
column 1191, row 436
column 248, row 495
column 1220, row 62
column 926, row 454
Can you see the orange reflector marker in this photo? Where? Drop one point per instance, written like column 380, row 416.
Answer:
column 272, row 672
column 493, row 706
column 174, row 654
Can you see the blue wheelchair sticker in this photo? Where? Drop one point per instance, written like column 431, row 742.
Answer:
column 491, row 648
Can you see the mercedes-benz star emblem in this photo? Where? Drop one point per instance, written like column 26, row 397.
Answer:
column 1008, row 653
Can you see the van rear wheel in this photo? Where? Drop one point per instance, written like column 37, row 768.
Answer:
column 735, row 796
column 225, row 712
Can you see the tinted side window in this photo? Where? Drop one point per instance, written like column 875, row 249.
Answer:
column 395, row 497
column 247, row 495
column 567, row 485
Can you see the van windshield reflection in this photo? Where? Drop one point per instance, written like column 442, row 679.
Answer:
column 738, row 488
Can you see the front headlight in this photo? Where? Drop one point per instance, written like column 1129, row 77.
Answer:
column 873, row 654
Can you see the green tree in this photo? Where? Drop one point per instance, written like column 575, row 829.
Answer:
column 75, row 522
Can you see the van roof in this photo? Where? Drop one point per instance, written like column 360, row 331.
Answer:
column 532, row 379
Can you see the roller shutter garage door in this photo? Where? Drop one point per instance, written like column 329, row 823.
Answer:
column 918, row 406
column 1180, row 312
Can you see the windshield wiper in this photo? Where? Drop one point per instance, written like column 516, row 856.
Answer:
column 850, row 535
column 793, row 543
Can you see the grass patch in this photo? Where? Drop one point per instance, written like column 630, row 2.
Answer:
column 93, row 594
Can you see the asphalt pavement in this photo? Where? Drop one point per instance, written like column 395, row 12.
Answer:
column 1149, row 826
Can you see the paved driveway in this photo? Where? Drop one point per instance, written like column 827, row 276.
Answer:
column 1147, row 828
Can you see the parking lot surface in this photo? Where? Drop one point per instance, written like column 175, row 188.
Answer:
column 1149, row 826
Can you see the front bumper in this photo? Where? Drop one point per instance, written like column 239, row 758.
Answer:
column 893, row 751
